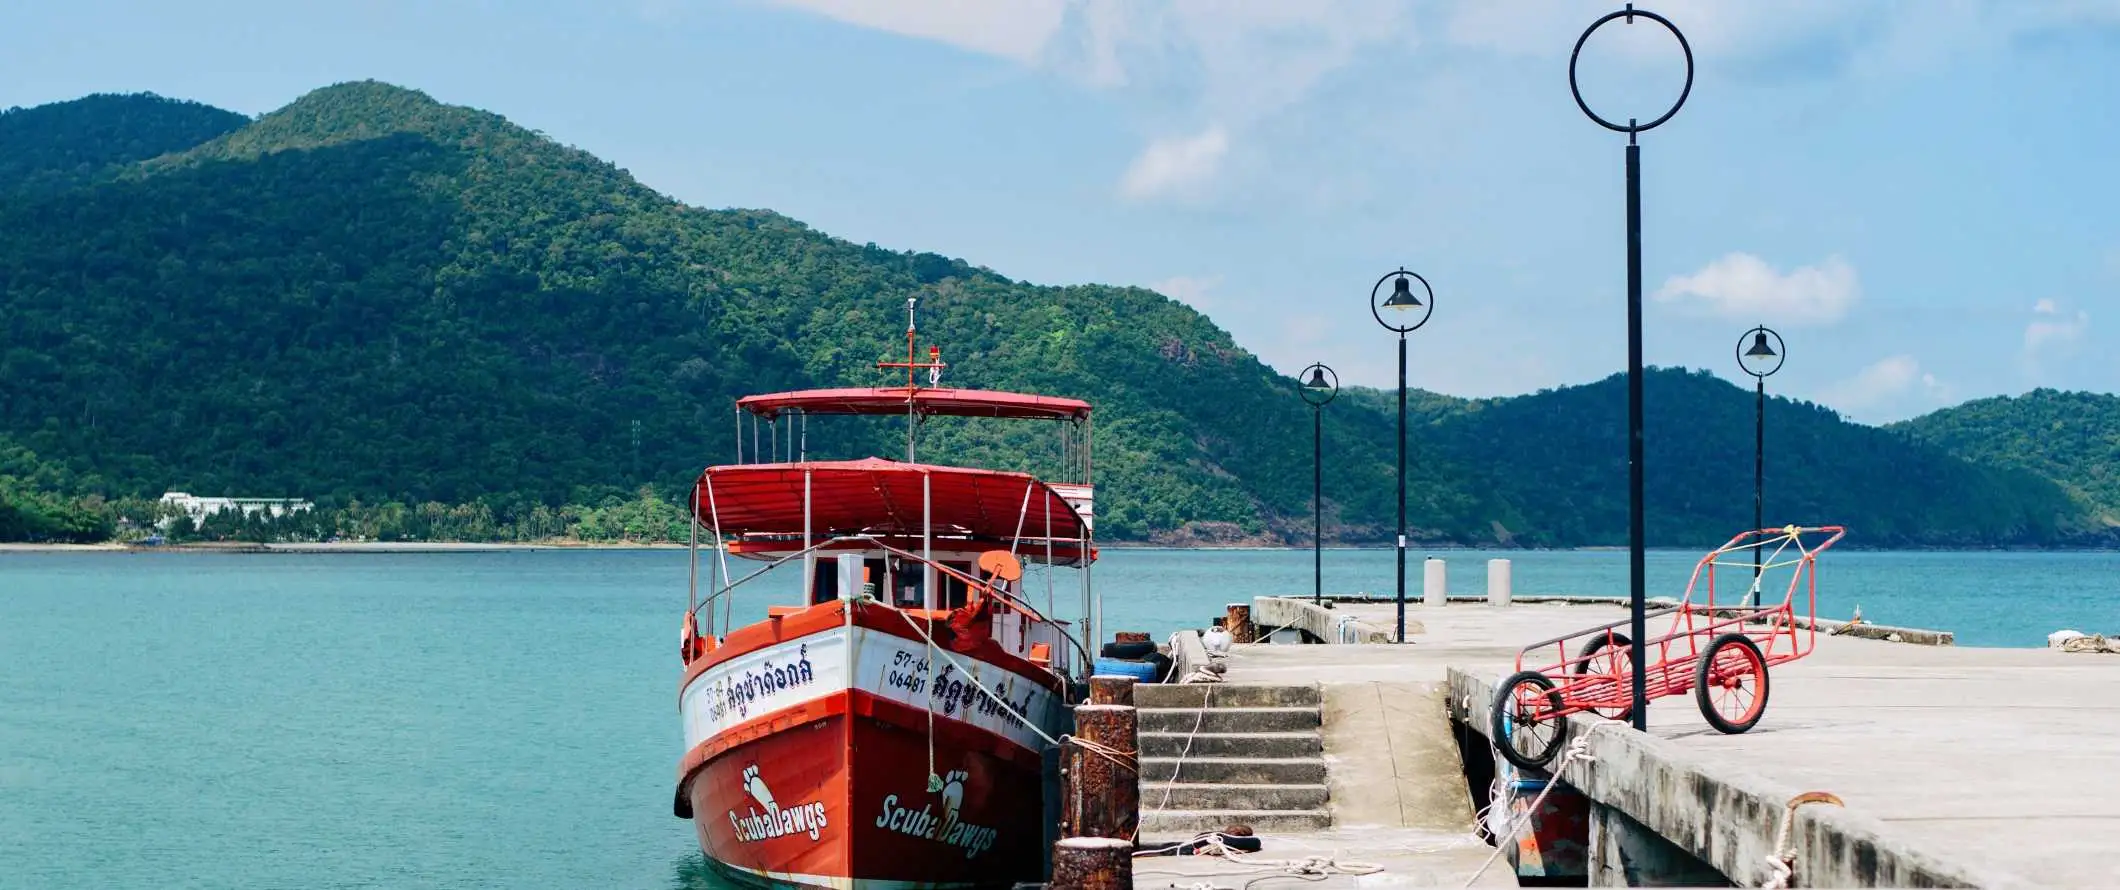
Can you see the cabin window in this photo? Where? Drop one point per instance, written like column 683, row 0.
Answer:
column 953, row 588
column 824, row 588
column 906, row 580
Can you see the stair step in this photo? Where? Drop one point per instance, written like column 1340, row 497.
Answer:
column 1211, row 796
column 1227, row 720
column 1234, row 770
column 1232, row 744
column 1225, row 695
column 1177, row 825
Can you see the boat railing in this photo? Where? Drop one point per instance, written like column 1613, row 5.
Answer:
column 1000, row 595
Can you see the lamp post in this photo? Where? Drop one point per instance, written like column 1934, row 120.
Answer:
column 1317, row 389
column 1401, row 312
column 1761, row 360
column 1633, row 127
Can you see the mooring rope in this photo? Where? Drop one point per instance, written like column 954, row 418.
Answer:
column 1578, row 750
column 1782, row 862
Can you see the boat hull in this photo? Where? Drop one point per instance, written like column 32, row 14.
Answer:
column 810, row 761
column 842, row 801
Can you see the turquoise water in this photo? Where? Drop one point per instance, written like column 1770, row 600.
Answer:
column 509, row 719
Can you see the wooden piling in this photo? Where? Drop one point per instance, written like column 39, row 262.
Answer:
column 1093, row 863
column 1106, row 689
column 1239, row 624
column 1104, row 782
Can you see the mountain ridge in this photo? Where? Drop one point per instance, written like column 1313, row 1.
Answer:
column 372, row 295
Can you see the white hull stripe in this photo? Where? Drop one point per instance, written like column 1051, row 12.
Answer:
column 884, row 665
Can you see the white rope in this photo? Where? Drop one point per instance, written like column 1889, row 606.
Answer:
column 1578, row 750
column 1782, row 862
column 1308, row 868
column 1207, row 700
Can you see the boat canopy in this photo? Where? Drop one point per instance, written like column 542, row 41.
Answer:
column 923, row 400
column 885, row 498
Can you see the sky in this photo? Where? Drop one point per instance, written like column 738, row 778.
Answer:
column 1920, row 197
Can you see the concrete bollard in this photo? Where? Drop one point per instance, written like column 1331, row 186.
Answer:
column 1093, row 863
column 1105, row 783
column 1239, row 625
column 1497, row 582
column 1105, row 689
column 1434, row 590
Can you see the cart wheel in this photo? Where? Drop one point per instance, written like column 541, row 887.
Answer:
column 1617, row 660
column 1731, row 683
column 1528, row 726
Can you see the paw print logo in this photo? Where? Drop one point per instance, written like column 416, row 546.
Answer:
column 952, row 796
column 758, row 790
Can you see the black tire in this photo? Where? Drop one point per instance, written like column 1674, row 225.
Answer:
column 1731, row 664
column 1129, row 651
column 1507, row 730
column 1597, row 644
column 1163, row 665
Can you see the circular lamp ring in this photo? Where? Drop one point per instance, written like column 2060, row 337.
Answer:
column 1781, row 351
column 1427, row 308
column 1631, row 127
column 1314, row 396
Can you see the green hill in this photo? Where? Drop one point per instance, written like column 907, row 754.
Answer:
column 372, row 297
column 69, row 143
column 2070, row 437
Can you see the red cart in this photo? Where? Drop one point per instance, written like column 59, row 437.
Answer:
column 1719, row 651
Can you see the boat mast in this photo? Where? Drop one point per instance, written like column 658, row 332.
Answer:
column 912, row 365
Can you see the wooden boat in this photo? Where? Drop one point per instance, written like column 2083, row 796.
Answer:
column 894, row 726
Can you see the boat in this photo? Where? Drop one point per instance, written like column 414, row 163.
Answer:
column 893, row 721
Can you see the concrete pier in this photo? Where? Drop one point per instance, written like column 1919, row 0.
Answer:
column 1955, row 766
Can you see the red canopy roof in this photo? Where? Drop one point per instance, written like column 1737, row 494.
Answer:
column 881, row 497
column 892, row 400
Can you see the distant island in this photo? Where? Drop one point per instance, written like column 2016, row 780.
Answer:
column 435, row 325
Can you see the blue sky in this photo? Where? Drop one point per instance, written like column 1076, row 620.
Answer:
column 1921, row 196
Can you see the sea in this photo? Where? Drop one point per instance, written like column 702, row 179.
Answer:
column 509, row 719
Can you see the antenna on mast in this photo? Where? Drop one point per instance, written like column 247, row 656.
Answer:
column 912, row 366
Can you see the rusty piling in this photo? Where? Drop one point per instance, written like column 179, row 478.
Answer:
column 1106, row 689
column 1093, row 863
column 1239, row 624
column 1103, row 774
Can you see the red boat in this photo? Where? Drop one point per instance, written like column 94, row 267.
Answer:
column 893, row 726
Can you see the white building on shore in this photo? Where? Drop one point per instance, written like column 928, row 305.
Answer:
column 199, row 508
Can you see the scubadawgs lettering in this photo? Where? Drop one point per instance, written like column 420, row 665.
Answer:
column 756, row 826
column 738, row 693
column 922, row 823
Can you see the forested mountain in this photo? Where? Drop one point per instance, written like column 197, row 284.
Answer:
column 371, row 296
column 69, row 143
column 2070, row 437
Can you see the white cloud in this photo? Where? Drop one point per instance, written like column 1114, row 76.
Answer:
column 1886, row 390
column 2051, row 330
column 1175, row 166
column 1012, row 29
column 1742, row 286
column 1187, row 289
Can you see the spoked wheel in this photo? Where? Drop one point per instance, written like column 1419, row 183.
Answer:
column 1613, row 657
column 1528, row 727
column 1731, row 683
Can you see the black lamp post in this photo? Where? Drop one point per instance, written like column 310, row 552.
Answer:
column 1320, row 384
column 1761, row 360
column 1633, row 127
column 1402, row 312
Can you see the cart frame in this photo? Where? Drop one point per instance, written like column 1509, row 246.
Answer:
column 1588, row 671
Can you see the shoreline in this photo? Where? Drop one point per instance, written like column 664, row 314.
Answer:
column 339, row 547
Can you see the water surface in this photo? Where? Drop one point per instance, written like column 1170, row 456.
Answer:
column 509, row 719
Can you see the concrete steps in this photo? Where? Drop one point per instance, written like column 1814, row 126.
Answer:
column 1232, row 744
column 1215, row 754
